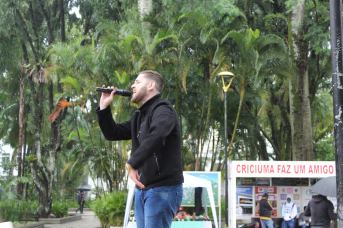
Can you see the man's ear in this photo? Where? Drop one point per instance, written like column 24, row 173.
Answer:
column 151, row 85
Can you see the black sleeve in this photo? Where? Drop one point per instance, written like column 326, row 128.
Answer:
column 269, row 206
column 333, row 216
column 163, row 122
column 111, row 130
column 307, row 212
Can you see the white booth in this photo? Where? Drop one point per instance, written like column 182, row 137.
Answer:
column 244, row 201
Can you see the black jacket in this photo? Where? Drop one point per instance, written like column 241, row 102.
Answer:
column 265, row 208
column 79, row 198
column 156, row 141
column 321, row 211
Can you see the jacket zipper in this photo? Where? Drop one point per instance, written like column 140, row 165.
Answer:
column 158, row 167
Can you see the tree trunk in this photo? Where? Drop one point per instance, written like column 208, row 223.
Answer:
column 300, row 109
column 42, row 185
column 24, row 188
column 110, row 181
column 41, row 173
column 21, row 118
column 144, row 8
column 63, row 32
column 198, row 157
column 12, row 164
column 206, row 125
column 47, row 18
column 262, row 148
column 247, row 12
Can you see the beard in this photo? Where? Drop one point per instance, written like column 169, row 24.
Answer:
column 139, row 96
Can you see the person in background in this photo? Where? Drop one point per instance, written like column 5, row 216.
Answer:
column 239, row 210
column 303, row 220
column 81, row 201
column 265, row 210
column 321, row 211
column 289, row 212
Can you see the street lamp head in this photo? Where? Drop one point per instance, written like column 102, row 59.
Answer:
column 226, row 74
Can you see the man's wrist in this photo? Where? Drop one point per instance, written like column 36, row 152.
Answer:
column 128, row 167
column 102, row 106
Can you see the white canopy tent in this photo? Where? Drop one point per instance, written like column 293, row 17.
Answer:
column 189, row 181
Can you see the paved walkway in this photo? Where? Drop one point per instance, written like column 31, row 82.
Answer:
column 89, row 220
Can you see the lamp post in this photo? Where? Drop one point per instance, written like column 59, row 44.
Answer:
column 230, row 76
column 336, row 28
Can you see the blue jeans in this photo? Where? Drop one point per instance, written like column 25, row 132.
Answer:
column 156, row 207
column 288, row 224
column 266, row 223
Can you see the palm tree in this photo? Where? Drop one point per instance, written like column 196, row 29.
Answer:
column 257, row 55
column 200, row 47
column 73, row 65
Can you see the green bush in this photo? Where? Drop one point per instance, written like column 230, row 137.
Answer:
column 14, row 210
column 110, row 209
column 60, row 209
column 73, row 204
column 88, row 203
column 11, row 211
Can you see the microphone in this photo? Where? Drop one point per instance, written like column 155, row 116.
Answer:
column 121, row 92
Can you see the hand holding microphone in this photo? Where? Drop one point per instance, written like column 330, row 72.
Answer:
column 108, row 95
column 121, row 92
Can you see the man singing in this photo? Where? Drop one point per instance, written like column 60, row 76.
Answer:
column 155, row 164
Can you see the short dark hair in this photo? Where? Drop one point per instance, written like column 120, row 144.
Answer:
column 156, row 77
column 81, row 191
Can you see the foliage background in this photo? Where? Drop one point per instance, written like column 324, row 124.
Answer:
column 49, row 54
